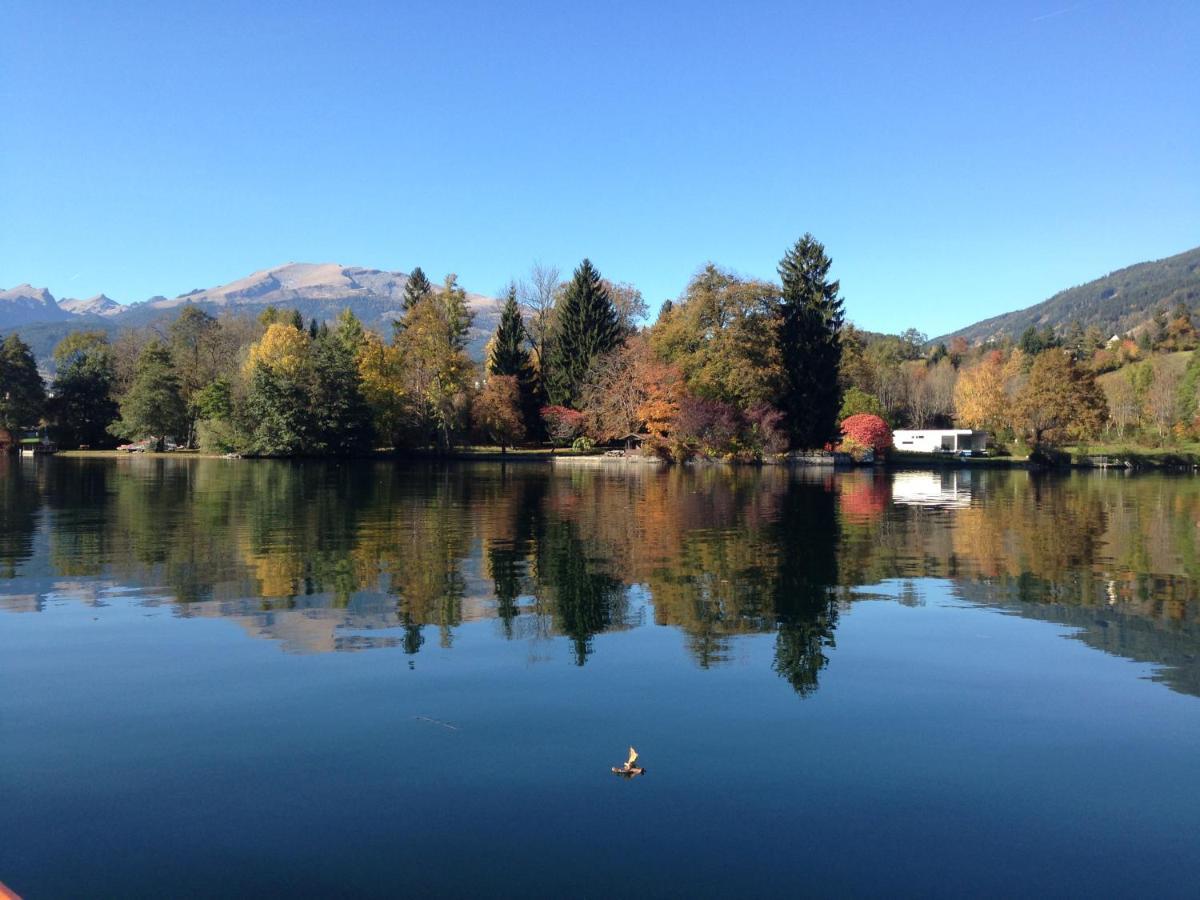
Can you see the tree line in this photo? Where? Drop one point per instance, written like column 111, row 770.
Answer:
column 1047, row 388
column 736, row 366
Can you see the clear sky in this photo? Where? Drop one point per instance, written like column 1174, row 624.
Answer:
column 957, row 159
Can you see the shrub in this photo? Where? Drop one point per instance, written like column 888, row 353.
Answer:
column 709, row 424
column 563, row 425
column 867, row 431
column 764, row 430
column 583, row 444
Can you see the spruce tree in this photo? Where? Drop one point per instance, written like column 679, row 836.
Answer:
column 22, row 393
column 510, row 356
column 415, row 288
column 587, row 327
column 810, row 343
column 459, row 315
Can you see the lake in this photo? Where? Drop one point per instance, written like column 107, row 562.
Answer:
column 248, row 678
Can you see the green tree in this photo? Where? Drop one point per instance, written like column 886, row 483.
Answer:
column 856, row 401
column 810, row 343
column 510, row 357
column 153, row 407
column 416, row 288
column 457, row 313
column 83, row 406
column 279, row 412
column 587, row 327
column 194, row 338
column 722, row 337
column 341, row 418
column 1189, row 391
column 22, row 393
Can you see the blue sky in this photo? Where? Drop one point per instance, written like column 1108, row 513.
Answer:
column 957, row 159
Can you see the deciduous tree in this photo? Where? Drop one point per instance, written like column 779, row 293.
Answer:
column 496, row 411
column 22, row 393
column 1059, row 401
column 83, row 405
column 153, row 407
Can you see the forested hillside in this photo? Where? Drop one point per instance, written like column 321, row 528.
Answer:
column 1118, row 303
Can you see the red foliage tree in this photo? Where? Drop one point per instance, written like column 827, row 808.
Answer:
column 563, row 424
column 867, row 430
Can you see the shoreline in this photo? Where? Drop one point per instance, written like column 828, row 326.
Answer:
column 1134, row 461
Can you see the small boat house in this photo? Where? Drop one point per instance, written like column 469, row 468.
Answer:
column 941, row 440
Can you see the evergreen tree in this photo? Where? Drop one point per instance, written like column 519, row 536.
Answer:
column 415, row 288
column 83, row 405
column 510, row 356
column 296, row 320
column 277, row 406
column 810, row 343
column 313, row 328
column 587, row 327
column 153, row 406
column 22, row 393
column 341, row 419
column 459, row 315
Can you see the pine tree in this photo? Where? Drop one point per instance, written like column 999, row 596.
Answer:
column 415, row 288
column 587, row 327
column 153, row 406
column 511, row 357
column 810, row 343
column 22, row 393
column 296, row 320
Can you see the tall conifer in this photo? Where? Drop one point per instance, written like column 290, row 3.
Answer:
column 587, row 327
column 510, row 356
column 415, row 288
column 810, row 343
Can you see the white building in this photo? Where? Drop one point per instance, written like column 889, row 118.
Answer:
column 940, row 440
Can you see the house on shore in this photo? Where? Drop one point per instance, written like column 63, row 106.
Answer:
column 940, row 440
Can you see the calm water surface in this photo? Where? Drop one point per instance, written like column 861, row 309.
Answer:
column 242, row 678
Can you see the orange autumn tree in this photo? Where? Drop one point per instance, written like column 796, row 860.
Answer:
column 866, row 431
column 630, row 391
column 496, row 411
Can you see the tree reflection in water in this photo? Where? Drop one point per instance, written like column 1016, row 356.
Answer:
column 350, row 556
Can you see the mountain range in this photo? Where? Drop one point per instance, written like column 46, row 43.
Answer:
column 1119, row 303
column 319, row 291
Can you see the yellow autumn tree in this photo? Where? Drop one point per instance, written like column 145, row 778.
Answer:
column 979, row 396
column 282, row 350
column 381, row 368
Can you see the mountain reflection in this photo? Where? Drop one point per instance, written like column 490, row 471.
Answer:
column 324, row 557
